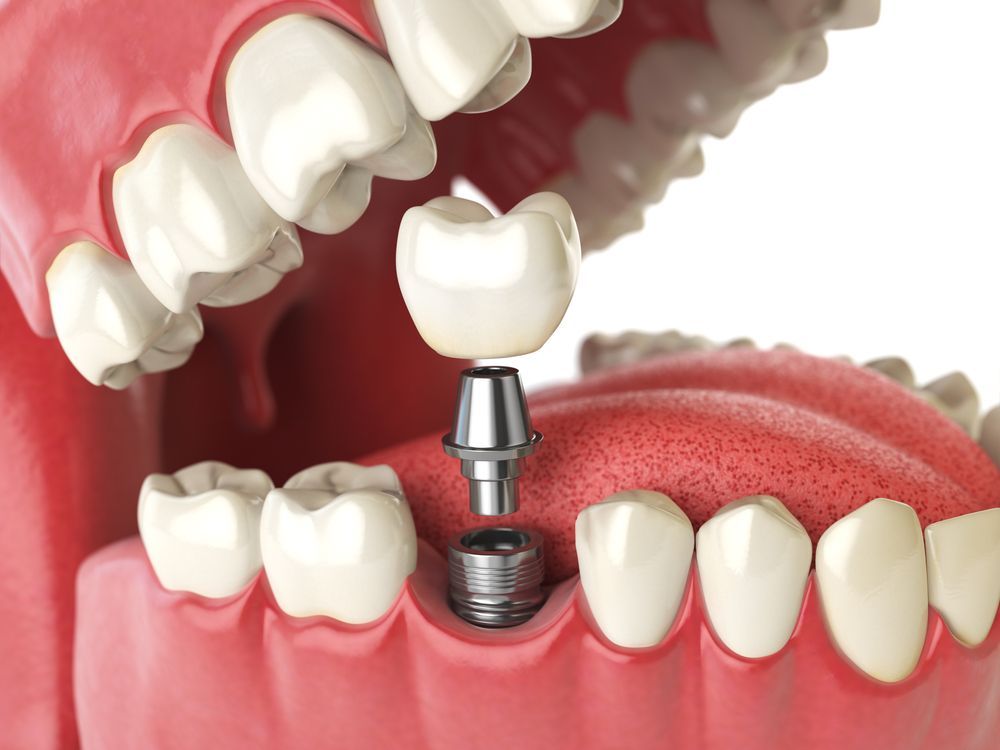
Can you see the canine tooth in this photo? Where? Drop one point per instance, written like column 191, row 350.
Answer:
column 810, row 60
column 634, row 550
column 507, row 83
column 605, row 13
column 306, row 99
column 797, row 15
column 195, row 229
column 684, row 85
column 201, row 527
column 856, row 14
column 512, row 276
column 338, row 540
column 989, row 434
column 896, row 368
column 872, row 578
column 753, row 563
column 756, row 49
column 445, row 52
column 963, row 572
column 110, row 326
column 955, row 395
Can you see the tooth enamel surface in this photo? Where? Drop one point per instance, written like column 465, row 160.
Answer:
column 507, row 83
column 111, row 328
column 512, row 276
column 634, row 551
column 753, row 564
column 201, row 527
column 989, row 434
column 756, row 49
column 872, row 578
column 541, row 18
column 195, row 229
column 445, row 52
column 963, row 573
column 305, row 100
column 956, row 397
column 896, row 368
column 338, row 540
column 796, row 15
column 606, row 12
column 810, row 60
column 856, row 14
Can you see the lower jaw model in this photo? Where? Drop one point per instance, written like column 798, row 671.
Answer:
column 714, row 546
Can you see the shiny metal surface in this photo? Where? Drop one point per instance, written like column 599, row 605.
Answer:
column 491, row 433
column 495, row 576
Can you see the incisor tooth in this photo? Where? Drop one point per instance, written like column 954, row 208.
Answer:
column 195, row 229
column 872, row 577
column 963, row 572
column 634, row 551
column 338, row 540
column 512, row 277
column 201, row 527
column 753, row 564
column 111, row 328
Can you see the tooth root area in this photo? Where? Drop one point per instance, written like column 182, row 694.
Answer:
column 753, row 564
column 963, row 570
column 200, row 527
column 634, row 552
column 194, row 227
column 872, row 576
column 309, row 104
column 111, row 328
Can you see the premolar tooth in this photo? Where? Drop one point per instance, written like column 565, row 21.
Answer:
column 507, row 83
column 201, row 527
column 810, row 60
column 757, row 50
column 856, row 14
column 343, row 205
column 306, row 98
column 412, row 157
column 963, row 572
column 634, row 551
column 753, row 564
column 872, row 578
column 955, row 395
column 512, row 276
column 567, row 18
column 445, row 52
column 989, row 434
column 797, row 15
column 606, row 12
column 896, row 368
column 338, row 540
column 110, row 326
column 195, row 229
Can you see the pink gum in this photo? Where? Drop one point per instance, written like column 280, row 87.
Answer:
column 156, row 669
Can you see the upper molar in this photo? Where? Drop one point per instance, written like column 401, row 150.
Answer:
column 194, row 227
column 110, row 326
column 856, row 14
column 201, row 527
column 797, row 15
column 758, row 51
column 511, row 276
column 314, row 114
column 872, row 576
column 338, row 540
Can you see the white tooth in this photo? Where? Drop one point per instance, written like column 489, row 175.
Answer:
column 963, row 573
column 343, row 205
column 599, row 224
column 757, row 50
column 606, row 12
column 195, row 229
column 507, row 83
column 110, row 326
column 797, row 15
column 872, row 578
column 411, row 158
column 305, row 100
column 541, row 18
column 753, row 564
column 445, row 52
column 810, row 60
column 201, row 527
column 896, row 368
column 682, row 85
column 512, row 276
column 338, row 540
column 989, row 434
column 955, row 395
column 634, row 550
column 856, row 14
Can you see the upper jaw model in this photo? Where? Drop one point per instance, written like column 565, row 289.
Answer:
column 232, row 221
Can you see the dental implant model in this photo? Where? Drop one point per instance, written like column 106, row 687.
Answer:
column 479, row 287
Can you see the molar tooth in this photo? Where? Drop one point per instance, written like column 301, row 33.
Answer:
column 963, row 572
column 110, row 326
column 412, row 157
column 634, row 550
column 606, row 12
column 872, row 577
column 956, row 397
column 753, row 563
column 896, row 368
column 201, row 527
column 507, row 83
column 989, row 434
column 338, row 540
column 758, row 52
column 856, row 14
column 797, row 15
column 195, row 229
column 810, row 60
column 445, row 52
column 306, row 99
column 566, row 18
column 512, row 276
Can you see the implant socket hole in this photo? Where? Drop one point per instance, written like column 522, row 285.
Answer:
column 495, row 540
column 491, row 371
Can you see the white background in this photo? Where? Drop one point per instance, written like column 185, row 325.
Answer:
column 857, row 213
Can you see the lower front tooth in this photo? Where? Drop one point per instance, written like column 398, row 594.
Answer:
column 338, row 540
column 753, row 564
column 201, row 527
column 757, row 50
column 634, row 551
column 110, row 326
column 872, row 577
